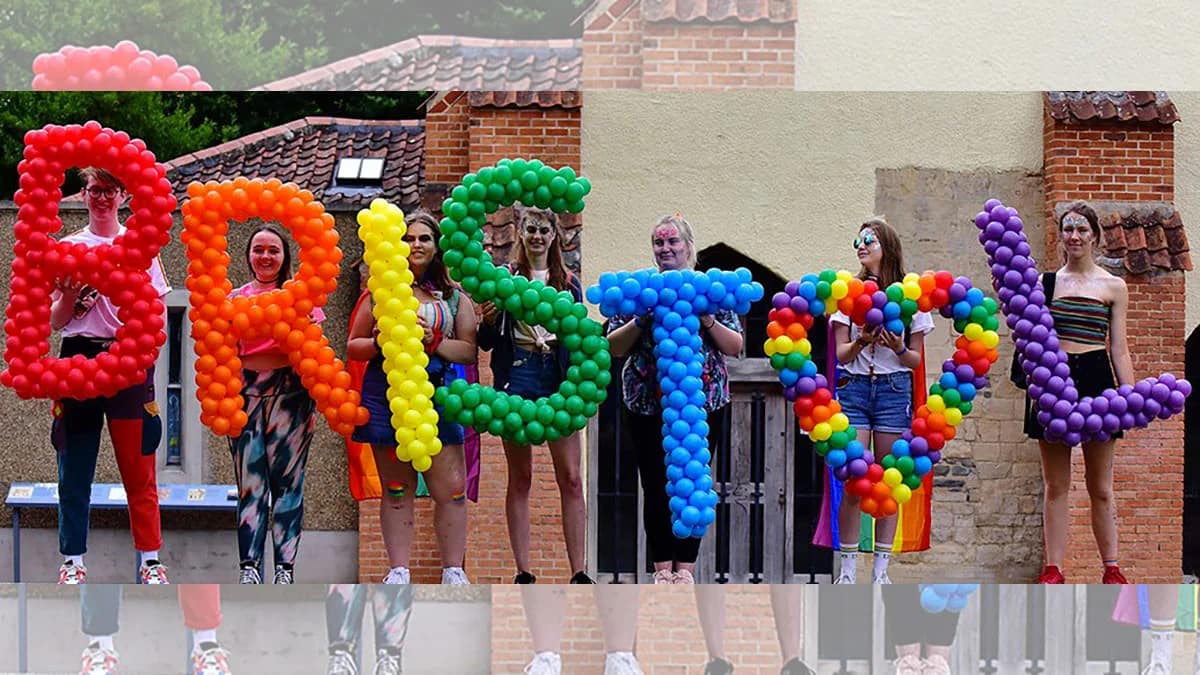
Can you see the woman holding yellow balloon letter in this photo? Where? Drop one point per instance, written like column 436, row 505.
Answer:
column 875, row 388
column 528, row 361
column 447, row 319
column 270, row 454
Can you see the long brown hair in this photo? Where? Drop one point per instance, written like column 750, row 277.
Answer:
column 891, row 267
column 436, row 273
column 559, row 275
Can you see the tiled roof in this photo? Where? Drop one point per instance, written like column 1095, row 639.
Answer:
column 1119, row 106
column 441, row 62
column 1141, row 237
column 306, row 151
column 500, row 236
column 526, row 99
column 603, row 13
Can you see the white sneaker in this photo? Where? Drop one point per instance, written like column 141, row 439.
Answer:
column 70, row 573
column 249, row 575
column 397, row 575
column 341, row 662
column 1156, row 668
column 544, row 663
column 935, row 665
column 909, row 664
column 284, row 575
column 845, row 578
column 454, row 576
column 98, row 661
column 621, row 663
column 386, row 663
column 881, row 578
column 210, row 661
column 663, row 577
column 153, row 572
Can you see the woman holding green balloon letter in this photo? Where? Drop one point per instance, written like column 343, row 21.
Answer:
column 448, row 318
column 674, row 248
column 528, row 361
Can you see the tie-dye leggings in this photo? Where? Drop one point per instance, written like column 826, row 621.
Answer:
column 391, row 605
column 268, row 462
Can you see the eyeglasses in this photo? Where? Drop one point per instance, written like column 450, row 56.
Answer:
column 102, row 193
column 866, row 240
column 533, row 229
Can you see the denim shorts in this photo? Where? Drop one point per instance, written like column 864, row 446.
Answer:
column 533, row 375
column 877, row 402
column 378, row 430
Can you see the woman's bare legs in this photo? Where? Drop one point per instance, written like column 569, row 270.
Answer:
column 787, row 605
column 710, row 608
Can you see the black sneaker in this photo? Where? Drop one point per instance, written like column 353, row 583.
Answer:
column 718, row 667
column 581, row 578
column 796, row 667
column 524, row 578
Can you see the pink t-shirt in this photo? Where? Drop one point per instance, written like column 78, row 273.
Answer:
column 94, row 314
column 265, row 345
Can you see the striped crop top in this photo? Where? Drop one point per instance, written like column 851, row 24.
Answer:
column 1081, row 320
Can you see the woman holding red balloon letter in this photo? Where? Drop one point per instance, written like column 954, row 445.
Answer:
column 448, row 318
column 271, row 453
column 1088, row 306
column 875, row 388
column 89, row 325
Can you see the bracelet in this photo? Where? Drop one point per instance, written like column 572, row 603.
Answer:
column 710, row 324
column 435, row 343
column 902, row 352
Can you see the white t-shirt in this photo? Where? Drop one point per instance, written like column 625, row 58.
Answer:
column 883, row 358
column 535, row 339
column 94, row 314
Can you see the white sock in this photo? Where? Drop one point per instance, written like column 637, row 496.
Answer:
column 147, row 555
column 105, row 641
column 199, row 636
column 848, row 553
column 883, row 555
column 76, row 560
column 1160, row 644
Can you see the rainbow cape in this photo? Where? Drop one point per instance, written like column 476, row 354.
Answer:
column 364, row 476
column 1133, row 607
column 912, row 531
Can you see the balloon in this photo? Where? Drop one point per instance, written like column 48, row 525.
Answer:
column 281, row 315
column 116, row 270
column 124, row 67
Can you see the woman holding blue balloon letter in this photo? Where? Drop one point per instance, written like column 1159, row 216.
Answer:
column 672, row 548
column 875, row 387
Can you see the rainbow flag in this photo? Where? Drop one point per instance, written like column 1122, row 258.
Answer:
column 912, row 530
column 1133, row 607
column 364, row 476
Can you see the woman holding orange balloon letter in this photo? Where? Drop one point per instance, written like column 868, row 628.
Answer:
column 270, row 454
column 875, row 388
column 447, row 318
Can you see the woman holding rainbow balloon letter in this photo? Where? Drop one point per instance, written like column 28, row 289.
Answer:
column 528, row 361
column 674, row 248
column 447, row 318
column 875, row 387
column 1088, row 306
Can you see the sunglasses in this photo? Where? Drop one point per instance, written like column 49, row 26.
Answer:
column 866, row 240
column 533, row 229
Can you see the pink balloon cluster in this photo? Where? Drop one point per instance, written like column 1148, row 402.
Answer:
column 1067, row 417
column 125, row 67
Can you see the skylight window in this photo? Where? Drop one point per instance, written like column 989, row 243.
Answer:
column 359, row 171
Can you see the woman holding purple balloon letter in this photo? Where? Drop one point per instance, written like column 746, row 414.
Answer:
column 1088, row 306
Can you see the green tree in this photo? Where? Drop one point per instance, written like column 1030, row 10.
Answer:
column 229, row 49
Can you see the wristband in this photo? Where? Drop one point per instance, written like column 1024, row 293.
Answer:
column 903, row 351
column 433, row 345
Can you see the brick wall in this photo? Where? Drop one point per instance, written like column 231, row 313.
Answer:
column 669, row 639
column 1129, row 162
column 459, row 139
column 621, row 50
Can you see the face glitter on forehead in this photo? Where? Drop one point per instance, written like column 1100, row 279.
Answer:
column 666, row 232
column 1076, row 220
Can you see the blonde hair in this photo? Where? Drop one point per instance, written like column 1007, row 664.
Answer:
column 685, row 233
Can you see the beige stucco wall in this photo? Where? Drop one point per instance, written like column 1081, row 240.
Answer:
column 939, row 46
column 783, row 177
column 1187, row 189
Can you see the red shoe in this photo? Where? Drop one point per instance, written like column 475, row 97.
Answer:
column 1112, row 575
column 1051, row 575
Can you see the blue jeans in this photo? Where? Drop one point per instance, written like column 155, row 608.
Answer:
column 533, row 374
column 877, row 402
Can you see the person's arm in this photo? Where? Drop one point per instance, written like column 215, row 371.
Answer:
column 63, row 303
column 461, row 348
column 360, row 344
column 728, row 340
column 847, row 349
column 1118, row 341
column 622, row 339
column 489, row 326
